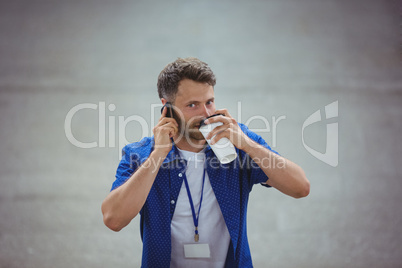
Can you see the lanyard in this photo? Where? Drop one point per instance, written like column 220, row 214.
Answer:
column 195, row 217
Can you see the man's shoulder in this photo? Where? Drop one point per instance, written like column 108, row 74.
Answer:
column 247, row 131
column 254, row 136
column 243, row 126
column 141, row 148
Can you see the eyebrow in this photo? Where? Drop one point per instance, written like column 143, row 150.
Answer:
column 197, row 102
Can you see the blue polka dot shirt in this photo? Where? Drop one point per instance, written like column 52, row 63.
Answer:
column 231, row 183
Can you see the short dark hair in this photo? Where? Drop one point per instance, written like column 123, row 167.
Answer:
column 173, row 73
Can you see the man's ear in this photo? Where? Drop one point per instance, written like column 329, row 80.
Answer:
column 163, row 101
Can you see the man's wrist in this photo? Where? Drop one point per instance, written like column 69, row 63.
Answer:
column 248, row 145
column 159, row 153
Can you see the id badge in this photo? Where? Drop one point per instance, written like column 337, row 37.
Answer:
column 197, row 251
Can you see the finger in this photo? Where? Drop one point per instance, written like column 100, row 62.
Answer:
column 223, row 111
column 220, row 135
column 169, row 129
column 164, row 111
column 172, row 127
column 219, row 118
column 166, row 120
column 217, row 130
column 172, row 132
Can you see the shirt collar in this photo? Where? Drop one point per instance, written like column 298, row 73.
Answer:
column 174, row 153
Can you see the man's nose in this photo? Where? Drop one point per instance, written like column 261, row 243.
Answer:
column 206, row 111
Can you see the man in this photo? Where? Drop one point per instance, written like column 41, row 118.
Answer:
column 193, row 209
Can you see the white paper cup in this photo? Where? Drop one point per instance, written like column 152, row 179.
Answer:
column 223, row 148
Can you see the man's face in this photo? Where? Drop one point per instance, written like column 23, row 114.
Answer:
column 194, row 101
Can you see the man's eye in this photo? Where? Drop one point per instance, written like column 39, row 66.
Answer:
column 209, row 102
column 191, row 105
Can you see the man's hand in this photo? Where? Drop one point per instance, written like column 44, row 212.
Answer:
column 165, row 129
column 230, row 129
column 283, row 174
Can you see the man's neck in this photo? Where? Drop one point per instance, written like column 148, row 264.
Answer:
column 195, row 146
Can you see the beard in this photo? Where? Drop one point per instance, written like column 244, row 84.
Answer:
column 195, row 134
column 189, row 130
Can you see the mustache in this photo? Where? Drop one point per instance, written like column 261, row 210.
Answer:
column 195, row 123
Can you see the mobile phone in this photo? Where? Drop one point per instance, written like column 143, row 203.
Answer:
column 169, row 112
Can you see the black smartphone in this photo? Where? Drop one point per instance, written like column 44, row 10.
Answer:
column 169, row 112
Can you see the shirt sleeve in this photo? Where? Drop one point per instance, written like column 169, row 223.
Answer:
column 126, row 168
column 256, row 174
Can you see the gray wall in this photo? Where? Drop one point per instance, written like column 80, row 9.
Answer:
column 274, row 59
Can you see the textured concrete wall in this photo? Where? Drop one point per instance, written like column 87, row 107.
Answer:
column 278, row 61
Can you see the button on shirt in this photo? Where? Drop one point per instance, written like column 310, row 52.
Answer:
column 230, row 182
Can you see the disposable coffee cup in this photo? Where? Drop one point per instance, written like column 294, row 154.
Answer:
column 223, row 148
